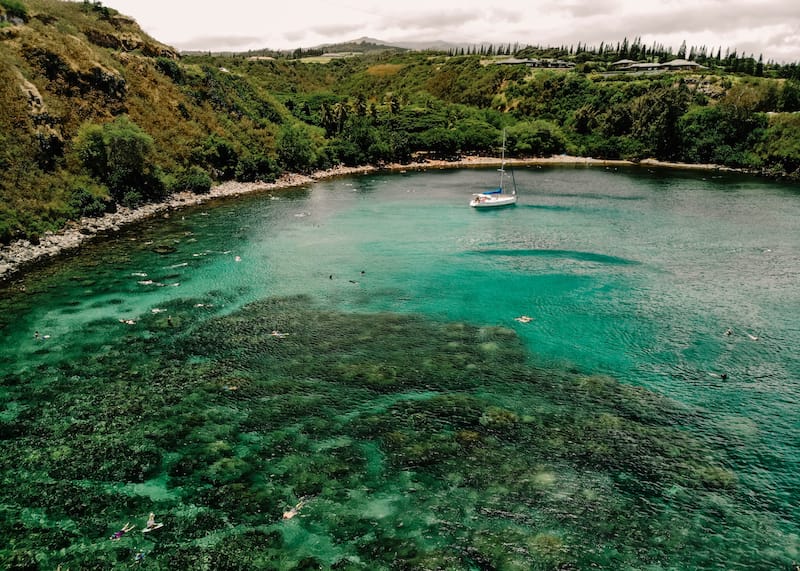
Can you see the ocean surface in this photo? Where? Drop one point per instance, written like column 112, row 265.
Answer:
column 344, row 376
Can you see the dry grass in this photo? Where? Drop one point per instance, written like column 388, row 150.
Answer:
column 385, row 69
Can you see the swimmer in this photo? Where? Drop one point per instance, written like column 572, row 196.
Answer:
column 151, row 523
column 294, row 511
column 523, row 319
column 117, row 535
column 729, row 331
column 753, row 337
column 238, row 259
column 35, row 334
column 278, row 334
column 139, row 557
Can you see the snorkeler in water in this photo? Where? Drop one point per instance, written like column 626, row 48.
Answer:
column 289, row 514
column 151, row 523
column 117, row 535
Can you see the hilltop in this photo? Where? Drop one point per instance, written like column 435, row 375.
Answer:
column 95, row 114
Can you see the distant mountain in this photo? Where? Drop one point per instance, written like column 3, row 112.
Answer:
column 360, row 45
column 366, row 44
column 437, row 45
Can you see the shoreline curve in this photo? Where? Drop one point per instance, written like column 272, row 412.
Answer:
column 22, row 254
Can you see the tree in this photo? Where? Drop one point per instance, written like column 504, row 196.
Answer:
column 119, row 154
column 295, row 148
column 256, row 166
column 477, row 135
column 219, row 155
column 682, row 50
column 655, row 120
column 536, row 138
column 442, row 142
column 194, row 179
column 789, row 98
column 339, row 115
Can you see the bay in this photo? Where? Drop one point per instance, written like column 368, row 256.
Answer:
column 351, row 350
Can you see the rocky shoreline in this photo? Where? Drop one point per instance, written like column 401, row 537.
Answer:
column 22, row 253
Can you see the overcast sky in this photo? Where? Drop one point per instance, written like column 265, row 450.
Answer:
column 768, row 27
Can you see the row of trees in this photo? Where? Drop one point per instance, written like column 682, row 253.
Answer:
column 731, row 61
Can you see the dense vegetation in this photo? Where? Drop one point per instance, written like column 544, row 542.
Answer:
column 94, row 113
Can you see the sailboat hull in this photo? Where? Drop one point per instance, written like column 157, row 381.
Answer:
column 493, row 201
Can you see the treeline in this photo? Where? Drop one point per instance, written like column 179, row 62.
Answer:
column 598, row 58
column 116, row 118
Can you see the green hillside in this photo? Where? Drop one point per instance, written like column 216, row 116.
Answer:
column 95, row 113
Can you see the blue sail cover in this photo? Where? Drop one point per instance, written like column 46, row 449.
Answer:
column 495, row 191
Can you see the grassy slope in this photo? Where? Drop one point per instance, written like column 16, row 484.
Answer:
column 70, row 64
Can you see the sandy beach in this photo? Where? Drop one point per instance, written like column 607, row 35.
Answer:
column 22, row 253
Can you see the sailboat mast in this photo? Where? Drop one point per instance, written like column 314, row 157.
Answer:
column 502, row 161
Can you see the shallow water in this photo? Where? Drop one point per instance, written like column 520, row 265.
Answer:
column 419, row 422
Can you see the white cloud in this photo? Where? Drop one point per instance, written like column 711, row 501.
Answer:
column 768, row 27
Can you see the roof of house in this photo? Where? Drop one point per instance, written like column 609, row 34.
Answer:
column 643, row 65
column 513, row 60
column 682, row 63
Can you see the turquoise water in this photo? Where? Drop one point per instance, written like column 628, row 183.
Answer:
column 420, row 424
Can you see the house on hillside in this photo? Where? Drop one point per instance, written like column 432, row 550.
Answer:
column 559, row 63
column 642, row 66
column 550, row 63
column 681, row 64
column 622, row 64
column 628, row 66
column 517, row 61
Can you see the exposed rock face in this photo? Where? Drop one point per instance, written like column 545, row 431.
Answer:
column 51, row 140
column 128, row 41
column 73, row 79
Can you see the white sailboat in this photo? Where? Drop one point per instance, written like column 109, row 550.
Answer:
column 497, row 196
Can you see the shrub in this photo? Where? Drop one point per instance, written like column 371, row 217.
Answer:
column 15, row 9
column 536, row 138
column 256, row 167
column 219, row 155
column 119, row 155
column 171, row 69
column 194, row 179
column 86, row 199
column 295, row 148
column 9, row 228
